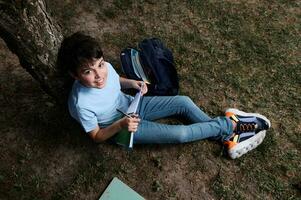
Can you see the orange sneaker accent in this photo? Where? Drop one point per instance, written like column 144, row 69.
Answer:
column 230, row 144
column 229, row 114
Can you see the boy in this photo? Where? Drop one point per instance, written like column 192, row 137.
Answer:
column 96, row 94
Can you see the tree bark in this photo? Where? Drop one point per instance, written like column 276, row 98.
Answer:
column 30, row 33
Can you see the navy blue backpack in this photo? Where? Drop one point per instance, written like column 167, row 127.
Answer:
column 153, row 63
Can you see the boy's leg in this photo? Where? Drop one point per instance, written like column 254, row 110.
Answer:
column 152, row 132
column 152, row 108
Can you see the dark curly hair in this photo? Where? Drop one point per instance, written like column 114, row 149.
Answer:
column 78, row 50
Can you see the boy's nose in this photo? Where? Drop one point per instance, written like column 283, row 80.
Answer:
column 97, row 74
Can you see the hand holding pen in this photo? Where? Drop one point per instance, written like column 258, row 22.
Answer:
column 130, row 121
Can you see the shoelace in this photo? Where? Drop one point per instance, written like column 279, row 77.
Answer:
column 246, row 127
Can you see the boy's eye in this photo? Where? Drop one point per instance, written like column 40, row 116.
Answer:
column 101, row 64
column 87, row 71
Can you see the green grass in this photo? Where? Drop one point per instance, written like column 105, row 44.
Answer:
column 227, row 53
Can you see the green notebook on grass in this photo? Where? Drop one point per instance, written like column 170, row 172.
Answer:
column 117, row 190
column 123, row 138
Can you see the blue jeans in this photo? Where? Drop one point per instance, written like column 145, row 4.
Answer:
column 201, row 125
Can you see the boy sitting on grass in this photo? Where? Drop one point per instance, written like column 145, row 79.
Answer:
column 96, row 95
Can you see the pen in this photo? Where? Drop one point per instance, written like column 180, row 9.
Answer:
column 124, row 113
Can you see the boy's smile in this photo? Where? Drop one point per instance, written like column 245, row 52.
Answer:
column 93, row 75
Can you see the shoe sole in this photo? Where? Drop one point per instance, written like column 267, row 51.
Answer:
column 241, row 113
column 243, row 147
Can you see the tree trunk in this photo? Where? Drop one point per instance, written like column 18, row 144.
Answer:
column 35, row 38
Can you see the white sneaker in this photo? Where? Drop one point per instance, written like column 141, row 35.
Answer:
column 249, row 132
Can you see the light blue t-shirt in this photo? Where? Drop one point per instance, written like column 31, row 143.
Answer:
column 92, row 106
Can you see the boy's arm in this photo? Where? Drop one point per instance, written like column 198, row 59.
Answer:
column 127, row 83
column 130, row 83
column 102, row 134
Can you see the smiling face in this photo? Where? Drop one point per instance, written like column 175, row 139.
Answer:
column 93, row 75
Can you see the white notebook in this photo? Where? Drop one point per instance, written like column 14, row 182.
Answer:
column 133, row 109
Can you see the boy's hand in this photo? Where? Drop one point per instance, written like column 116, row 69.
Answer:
column 131, row 123
column 140, row 85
